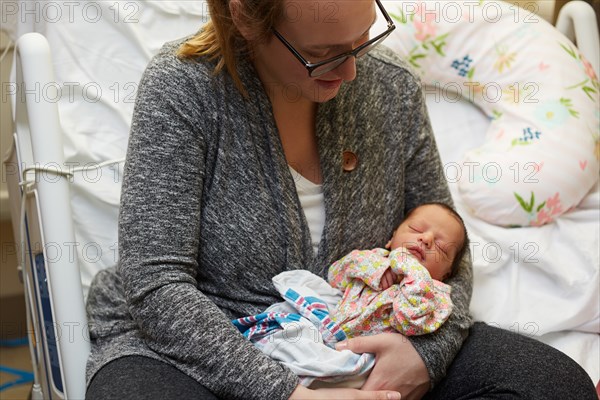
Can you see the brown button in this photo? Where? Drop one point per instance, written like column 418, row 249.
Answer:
column 350, row 161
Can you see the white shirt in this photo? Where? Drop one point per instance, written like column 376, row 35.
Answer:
column 313, row 204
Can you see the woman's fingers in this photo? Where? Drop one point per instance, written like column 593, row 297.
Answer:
column 355, row 394
column 361, row 344
column 302, row 393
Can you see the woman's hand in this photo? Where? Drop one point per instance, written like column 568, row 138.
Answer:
column 302, row 393
column 398, row 366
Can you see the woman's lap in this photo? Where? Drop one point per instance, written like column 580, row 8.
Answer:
column 498, row 364
column 492, row 364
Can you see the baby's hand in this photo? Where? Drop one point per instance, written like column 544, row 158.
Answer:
column 388, row 279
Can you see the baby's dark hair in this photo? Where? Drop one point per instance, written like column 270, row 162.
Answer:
column 465, row 245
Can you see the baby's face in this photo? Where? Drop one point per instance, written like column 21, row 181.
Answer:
column 433, row 235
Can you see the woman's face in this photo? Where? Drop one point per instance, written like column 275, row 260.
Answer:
column 318, row 29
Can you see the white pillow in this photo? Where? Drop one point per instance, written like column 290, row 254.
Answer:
column 541, row 151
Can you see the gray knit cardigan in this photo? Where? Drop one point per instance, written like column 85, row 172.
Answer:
column 209, row 213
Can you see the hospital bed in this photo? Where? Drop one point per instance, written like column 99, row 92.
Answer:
column 76, row 70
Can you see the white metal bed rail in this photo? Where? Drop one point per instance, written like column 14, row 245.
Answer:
column 50, row 273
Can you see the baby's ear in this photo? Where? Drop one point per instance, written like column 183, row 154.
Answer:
column 389, row 244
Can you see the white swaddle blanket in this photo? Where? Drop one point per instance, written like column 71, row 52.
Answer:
column 300, row 334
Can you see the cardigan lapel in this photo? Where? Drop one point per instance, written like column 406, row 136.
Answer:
column 299, row 251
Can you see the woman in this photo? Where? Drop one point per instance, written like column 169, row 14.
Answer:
column 224, row 123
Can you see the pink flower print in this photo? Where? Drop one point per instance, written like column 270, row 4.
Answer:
column 589, row 70
column 553, row 201
column 542, row 218
column 424, row 31
column 424, row 25
column 543, row 213
column 556, row 211
column 553, row 205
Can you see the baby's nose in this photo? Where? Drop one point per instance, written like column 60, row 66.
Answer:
column 426, row 238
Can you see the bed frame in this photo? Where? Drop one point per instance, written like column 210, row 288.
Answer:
column 41, row 215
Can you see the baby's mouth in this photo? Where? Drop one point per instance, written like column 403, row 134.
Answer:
column 417, row 252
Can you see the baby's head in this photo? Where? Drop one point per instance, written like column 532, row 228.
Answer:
column 436, row 235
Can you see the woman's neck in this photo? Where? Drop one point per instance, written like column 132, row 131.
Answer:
column 296, row 123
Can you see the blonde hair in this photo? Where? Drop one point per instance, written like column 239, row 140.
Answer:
column 220, row 39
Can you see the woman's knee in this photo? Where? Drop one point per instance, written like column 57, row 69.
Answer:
column 501, row 363
column 137, row 378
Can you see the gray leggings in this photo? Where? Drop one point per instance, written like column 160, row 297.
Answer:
column 492, row 364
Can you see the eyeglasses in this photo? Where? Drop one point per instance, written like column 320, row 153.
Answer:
column 322, row 67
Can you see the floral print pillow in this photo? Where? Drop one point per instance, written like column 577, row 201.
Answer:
column 541, row 154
